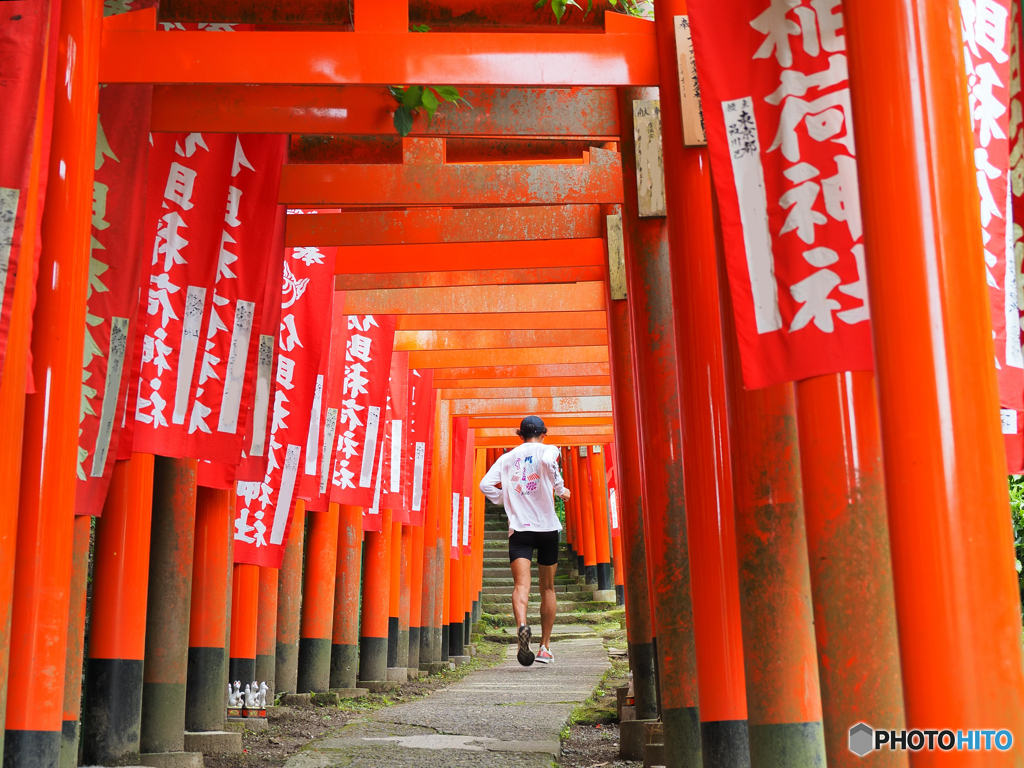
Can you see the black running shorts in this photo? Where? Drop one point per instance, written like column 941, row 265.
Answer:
column 522, row 544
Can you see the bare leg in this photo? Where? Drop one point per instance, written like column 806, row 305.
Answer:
column 521, row 590
column 548, row 603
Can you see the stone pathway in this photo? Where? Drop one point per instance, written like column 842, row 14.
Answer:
column 508, row 716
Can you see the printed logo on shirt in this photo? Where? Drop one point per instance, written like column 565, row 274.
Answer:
column 526, row 479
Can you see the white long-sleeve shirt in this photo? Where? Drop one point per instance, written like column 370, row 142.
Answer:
column 530, row 479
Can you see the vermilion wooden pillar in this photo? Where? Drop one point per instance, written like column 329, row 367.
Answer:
column 345, row 638
column 599, row 496
column 404, row 599
column 42, row 562
column 648, row 280
column 289, row 603
column 630, row 482
column 396, row 668
column 428, row 590
column 245, row 614
column 957, row 600
column 851, row 570
column 705, row 433
column 586, row 497
column 416, row 613
column 373, row 629
column 266, row 630
column 76, row 643
column 112, row 714
column 443, row 462
column 315, row 634
column 208, row 625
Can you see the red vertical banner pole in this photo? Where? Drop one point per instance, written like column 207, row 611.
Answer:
column 848, row 552
column 289, row 603
column 416, row 565
column 208, row 625
column 266, row 631
column 12, row 392
column 112, row 715
column 478, row 534
column 316, row 631
column 570, row 532
column 630, row 483
column 43, row 556
column 396, row 672
column 74, row 657
column 602, row 538
column 443, row 462
column 172, row 542
column 245, row 615
column 702, row 396
column 576, row 501
column 780, row 655
column 648, row 282
column 345, row 637
column 373, row 628
column 957, row 599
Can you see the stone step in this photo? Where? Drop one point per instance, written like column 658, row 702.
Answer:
column 564, row 606
column 560, row 589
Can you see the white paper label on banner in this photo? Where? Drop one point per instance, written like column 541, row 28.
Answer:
column 115, row 365
column 396, row 457
column 465, row 522
column 369, row 446
column 284, row 496
column 1008, row 419
column 417, row 476
column 455, row 519
column 330, row 426
column 613, row 507
column 261, row 406
column 8, row 212
column 375, row 509
column 583, row 451
column 195, row 301
column 313, row 436
column 238, row 358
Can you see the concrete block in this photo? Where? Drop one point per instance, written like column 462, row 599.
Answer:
column 604, row 596
column 324, row 699
column 458, row 661
column 621, row 699
column 297, row 699
column 634, row 735
column 378, row 686
column 349, row 693
column 414, row 674
column 398, row 674
column 243, row 724
column 654, row 755
column 435, row 666
column 172, row 759
column 213, row 742
column 588, row 587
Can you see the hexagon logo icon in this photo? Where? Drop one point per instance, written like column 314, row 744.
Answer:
column 862, row 739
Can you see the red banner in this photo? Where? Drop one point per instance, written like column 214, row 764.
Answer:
column 613, row 486
column 258, row 414
column 776, row 97
column 265, row 508
column 460, row 430
column 116, row 277
column 188, row 179
column 467, row 491
column 23, row 31
column 421, row 442
column 396, row 439
column 363, row 404
column 985, row 27
column 229, row 362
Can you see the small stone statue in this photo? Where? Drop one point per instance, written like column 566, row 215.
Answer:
column 247, row 700
column 235, row 696
column 263, row 696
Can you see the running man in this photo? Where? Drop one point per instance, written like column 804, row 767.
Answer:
column 525, row 481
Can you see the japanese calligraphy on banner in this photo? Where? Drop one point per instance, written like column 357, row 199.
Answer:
column 613, row 485
column 460, row 435
column 1017, row 174
column 468, row 489
column 421, row 442
column 265, row 508
column 363, row 404
column 116, row 267
column 231, row 349
column 188, row 179
column 259, row 412
column 323, row 421
column 23, row 31
column 776, row 95
column 985, row 27
column 396, row 438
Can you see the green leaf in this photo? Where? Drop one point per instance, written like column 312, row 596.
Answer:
column 403, row 121
column 558, row 8
column 448, row 92
column 590, row 7
column 430, row 104
column 413, row 97
column 539, row 4
column 398, row 92
column 419, row 28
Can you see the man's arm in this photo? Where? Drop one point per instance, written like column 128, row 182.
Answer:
column 491, row 484
column 557, row 483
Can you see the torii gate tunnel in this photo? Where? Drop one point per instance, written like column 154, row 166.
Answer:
column 799, row 501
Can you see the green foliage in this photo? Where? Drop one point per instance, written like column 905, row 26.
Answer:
column 633, row 8
column 560, row 509
column 412, row 98
column 1016, row 483
column 630, row 7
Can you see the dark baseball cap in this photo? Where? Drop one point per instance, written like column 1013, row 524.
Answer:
column 532, row 426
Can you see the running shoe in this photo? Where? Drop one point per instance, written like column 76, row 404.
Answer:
column 544, row 655
column 525, row 655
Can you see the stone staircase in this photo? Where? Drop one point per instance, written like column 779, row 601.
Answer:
column 576, row 605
